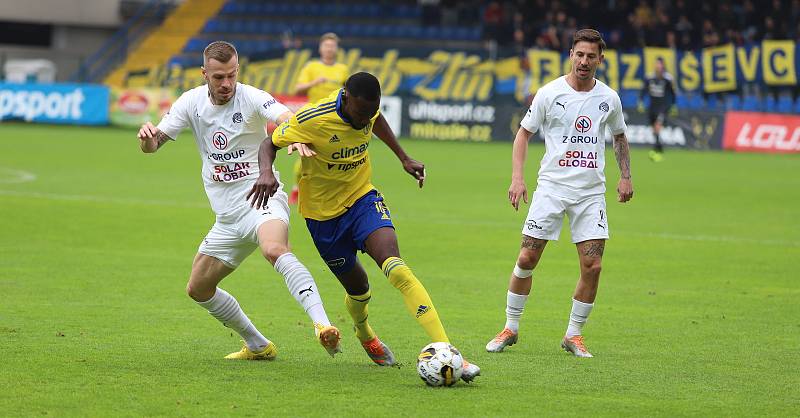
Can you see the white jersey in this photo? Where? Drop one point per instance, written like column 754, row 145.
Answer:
column 574, row 125
column 228, row 137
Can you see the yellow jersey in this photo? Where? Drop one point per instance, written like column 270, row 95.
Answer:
column 336, row 74
column 332, row 180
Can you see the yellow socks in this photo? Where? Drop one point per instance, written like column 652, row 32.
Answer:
column 416, row 298
column 357, row 306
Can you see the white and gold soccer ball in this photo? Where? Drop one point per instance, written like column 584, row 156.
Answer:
column 440, row 364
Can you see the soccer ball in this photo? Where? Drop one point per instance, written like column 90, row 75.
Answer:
column 440, row 364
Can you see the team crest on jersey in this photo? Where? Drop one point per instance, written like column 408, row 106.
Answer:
column 237, row 117
column 219, row 140
column 583, row 124
column 604, row 107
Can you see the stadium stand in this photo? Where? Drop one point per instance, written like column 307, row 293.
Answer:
column 492, row 29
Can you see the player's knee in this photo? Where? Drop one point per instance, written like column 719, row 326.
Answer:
column 199, row 293
column 272, row 250
column 527, row 260
column 592, row 267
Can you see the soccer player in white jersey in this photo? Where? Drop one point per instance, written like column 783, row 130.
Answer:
column 572, row 113
column 228, row 119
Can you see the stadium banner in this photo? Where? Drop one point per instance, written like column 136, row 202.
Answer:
column 762, row 132
column 459, row 75
column 82, row 104
column 460, row 121
column 499, row 121
column 134, row 107
column 698, row 130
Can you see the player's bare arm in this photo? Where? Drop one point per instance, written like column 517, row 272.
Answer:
column 382, row 130
column 518, row 191
column 623, row 154
column 266, row 185
column 151, row 138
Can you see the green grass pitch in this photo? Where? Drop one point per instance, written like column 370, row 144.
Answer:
column 697, row 312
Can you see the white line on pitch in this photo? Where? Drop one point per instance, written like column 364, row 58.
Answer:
column 13, row 176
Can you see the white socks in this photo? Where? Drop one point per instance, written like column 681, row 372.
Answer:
column 514, row 305
column 302, row 286
column 578, row 316
column 226, row 309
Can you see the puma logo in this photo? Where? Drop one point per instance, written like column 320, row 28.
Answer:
column 562, row 105
column 306, row 290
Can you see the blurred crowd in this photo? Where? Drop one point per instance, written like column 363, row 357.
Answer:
column 681, row 24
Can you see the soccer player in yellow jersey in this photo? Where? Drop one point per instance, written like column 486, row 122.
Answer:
column 317, row 80
column 344, row 213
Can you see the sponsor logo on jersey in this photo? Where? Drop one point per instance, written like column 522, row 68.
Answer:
column 579, row 159
column 561, row 104
column 237, row 117
column 583, row 124
column 333, row 139
column 269, row 103
column 367, row 129
column 604, row 107
column 226, row 156
column 349, row 152
column 348, row 166
column 219, row 140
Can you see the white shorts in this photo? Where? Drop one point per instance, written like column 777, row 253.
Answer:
column 234, row 235
column 587, row 217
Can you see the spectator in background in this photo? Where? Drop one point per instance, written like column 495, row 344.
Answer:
column 492, row 25
column 431, row 12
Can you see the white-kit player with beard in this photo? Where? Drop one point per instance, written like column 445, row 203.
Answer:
column 228, row 120
column 572, row 113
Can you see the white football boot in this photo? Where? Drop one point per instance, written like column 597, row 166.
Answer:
column 575, row 346
column 505, row 338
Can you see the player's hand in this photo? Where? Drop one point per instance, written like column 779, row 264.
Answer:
column 266, row 185
column 624, row 190
column 147, row 131
column 302, row 149
column 516, row 193
column 416, row 169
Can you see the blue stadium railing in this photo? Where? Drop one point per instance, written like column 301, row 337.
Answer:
column 115, row 49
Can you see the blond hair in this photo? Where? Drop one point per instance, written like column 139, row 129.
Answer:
column 219, row 50
column 329, row 35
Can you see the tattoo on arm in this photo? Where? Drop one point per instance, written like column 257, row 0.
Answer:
column 623, row 154
column 533, row 243
column 593, row 249
column 161, row 138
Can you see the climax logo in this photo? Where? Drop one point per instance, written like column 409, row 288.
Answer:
column 219, row 140
column 583, row 124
